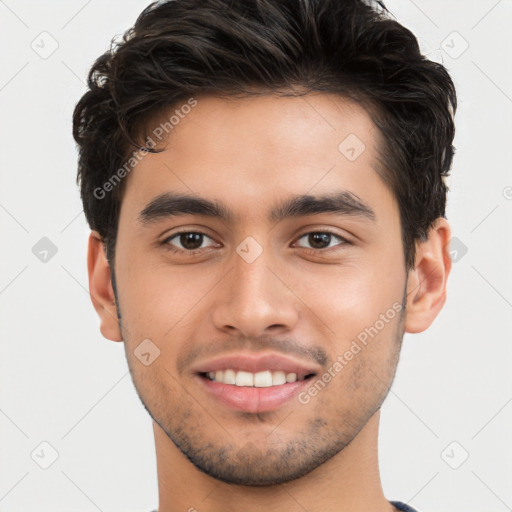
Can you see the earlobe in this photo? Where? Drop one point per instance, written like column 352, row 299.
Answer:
column 100, row 288
column 426, row 291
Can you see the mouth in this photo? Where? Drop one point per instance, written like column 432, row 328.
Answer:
column 252, row 383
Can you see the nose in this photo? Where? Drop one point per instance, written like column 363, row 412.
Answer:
column 255, row 300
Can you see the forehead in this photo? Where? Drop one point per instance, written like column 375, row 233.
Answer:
column 248, row 151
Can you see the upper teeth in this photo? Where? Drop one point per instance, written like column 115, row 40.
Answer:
column 259, row 380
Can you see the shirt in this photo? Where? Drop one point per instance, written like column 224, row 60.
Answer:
column 398, row 504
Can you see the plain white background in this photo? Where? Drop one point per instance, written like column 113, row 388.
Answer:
column 445, row 440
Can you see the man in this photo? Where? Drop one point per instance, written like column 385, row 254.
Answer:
column 264, row 180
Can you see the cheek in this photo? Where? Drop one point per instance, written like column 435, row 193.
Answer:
column 158, row 300
column 345, row 299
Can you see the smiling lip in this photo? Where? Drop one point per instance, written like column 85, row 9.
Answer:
column 254, row 399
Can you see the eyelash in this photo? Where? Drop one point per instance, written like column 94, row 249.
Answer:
column 171, row 248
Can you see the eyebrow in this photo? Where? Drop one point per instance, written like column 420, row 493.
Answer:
column 343, row 203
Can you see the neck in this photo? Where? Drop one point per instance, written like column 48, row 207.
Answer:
column 348, row 481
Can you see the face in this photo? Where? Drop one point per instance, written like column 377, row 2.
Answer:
column 261, row 249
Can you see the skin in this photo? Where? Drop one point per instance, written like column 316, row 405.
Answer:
column 294, row 298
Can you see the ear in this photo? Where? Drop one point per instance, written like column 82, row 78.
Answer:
column 100, row 288
column 426, row 290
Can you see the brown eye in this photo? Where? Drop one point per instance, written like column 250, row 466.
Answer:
column 187, row 240
column 321, row 240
